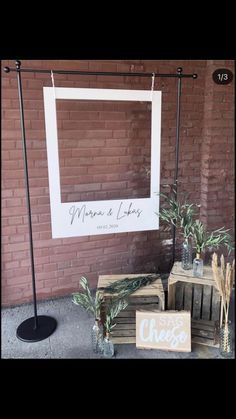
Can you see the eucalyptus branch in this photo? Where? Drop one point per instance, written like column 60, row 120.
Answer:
column 214, row 239
column 127, row 286
column 85, row 300
column 179, row 213
column 112, row 312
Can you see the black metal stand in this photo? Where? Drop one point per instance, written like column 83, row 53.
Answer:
column 35, row 328
column 36, row 321
column 179, row 71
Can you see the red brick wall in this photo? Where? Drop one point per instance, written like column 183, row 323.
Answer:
column 217, row 163
column 113, row 162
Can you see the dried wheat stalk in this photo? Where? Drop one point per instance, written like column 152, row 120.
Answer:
column 224, row 278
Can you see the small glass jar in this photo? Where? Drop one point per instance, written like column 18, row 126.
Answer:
column 97, row 337
column 226, row 342
column 198, row 266
column 108, row 347
column 187, row 262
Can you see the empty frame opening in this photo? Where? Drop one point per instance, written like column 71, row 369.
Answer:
column 104, row 149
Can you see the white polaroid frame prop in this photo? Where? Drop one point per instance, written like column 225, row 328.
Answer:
column 72, row 219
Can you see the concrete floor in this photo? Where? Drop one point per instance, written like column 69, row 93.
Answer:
column 71, row 339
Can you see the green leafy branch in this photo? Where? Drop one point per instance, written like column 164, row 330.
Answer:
column 214, row 239
column 179, row 213
column 85, row 299
column 127, row 286
column 113, row 311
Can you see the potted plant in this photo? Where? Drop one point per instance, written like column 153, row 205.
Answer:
column 204, row 239
column 92, row 305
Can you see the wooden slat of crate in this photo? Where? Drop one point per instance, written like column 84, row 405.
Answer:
column 216, row 303
column 206, row 302
column 150, row 297
column 197, row 301
column 188, row 293
column 179, row 296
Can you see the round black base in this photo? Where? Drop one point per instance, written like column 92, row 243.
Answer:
column 27, row 333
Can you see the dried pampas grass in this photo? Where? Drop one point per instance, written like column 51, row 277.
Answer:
column 224, row 278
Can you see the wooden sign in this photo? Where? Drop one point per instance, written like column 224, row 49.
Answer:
column 72, row 219
column 169, row 330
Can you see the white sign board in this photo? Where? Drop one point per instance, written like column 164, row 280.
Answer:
column 73, row 219
column 166, row 330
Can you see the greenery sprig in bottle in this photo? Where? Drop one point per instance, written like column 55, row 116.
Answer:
column 92, row 305
column 180, row 214
column 211, row 240
column 112, row 311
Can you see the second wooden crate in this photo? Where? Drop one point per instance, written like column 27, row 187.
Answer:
column 201, row 297
column 150, row 297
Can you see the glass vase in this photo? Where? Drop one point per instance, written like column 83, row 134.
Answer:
column 187, row 254
column 198, row 266
column 226, row 343
column 97, row 337
column 108, row 347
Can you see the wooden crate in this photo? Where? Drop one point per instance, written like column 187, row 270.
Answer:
column 150, row 297
column 201, row 297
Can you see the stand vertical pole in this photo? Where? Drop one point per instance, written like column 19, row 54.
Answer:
column 179, row 71
column 35, row 328
column 22, row 121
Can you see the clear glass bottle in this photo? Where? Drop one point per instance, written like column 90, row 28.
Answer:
column 198, row 266
column 187, row 262
column 97, row 337
column 226, row 343
column 108, row 347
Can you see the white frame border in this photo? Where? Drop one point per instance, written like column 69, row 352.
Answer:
column 82, row 224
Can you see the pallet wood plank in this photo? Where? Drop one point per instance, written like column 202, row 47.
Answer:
column 202, row 326
column 146, row 307
column 179, row 296
column 124, row 326
column 204, row 341
column 124, row 320
column 197, row 299
column 126, row 313
column 206, row 302
column 124, row 332
column 202, row 323
column 188, row 279
column 171, row 295
column 216, row 302
column 188, row 290
column 203, row 333
column 123, row 340
column 138, row 300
